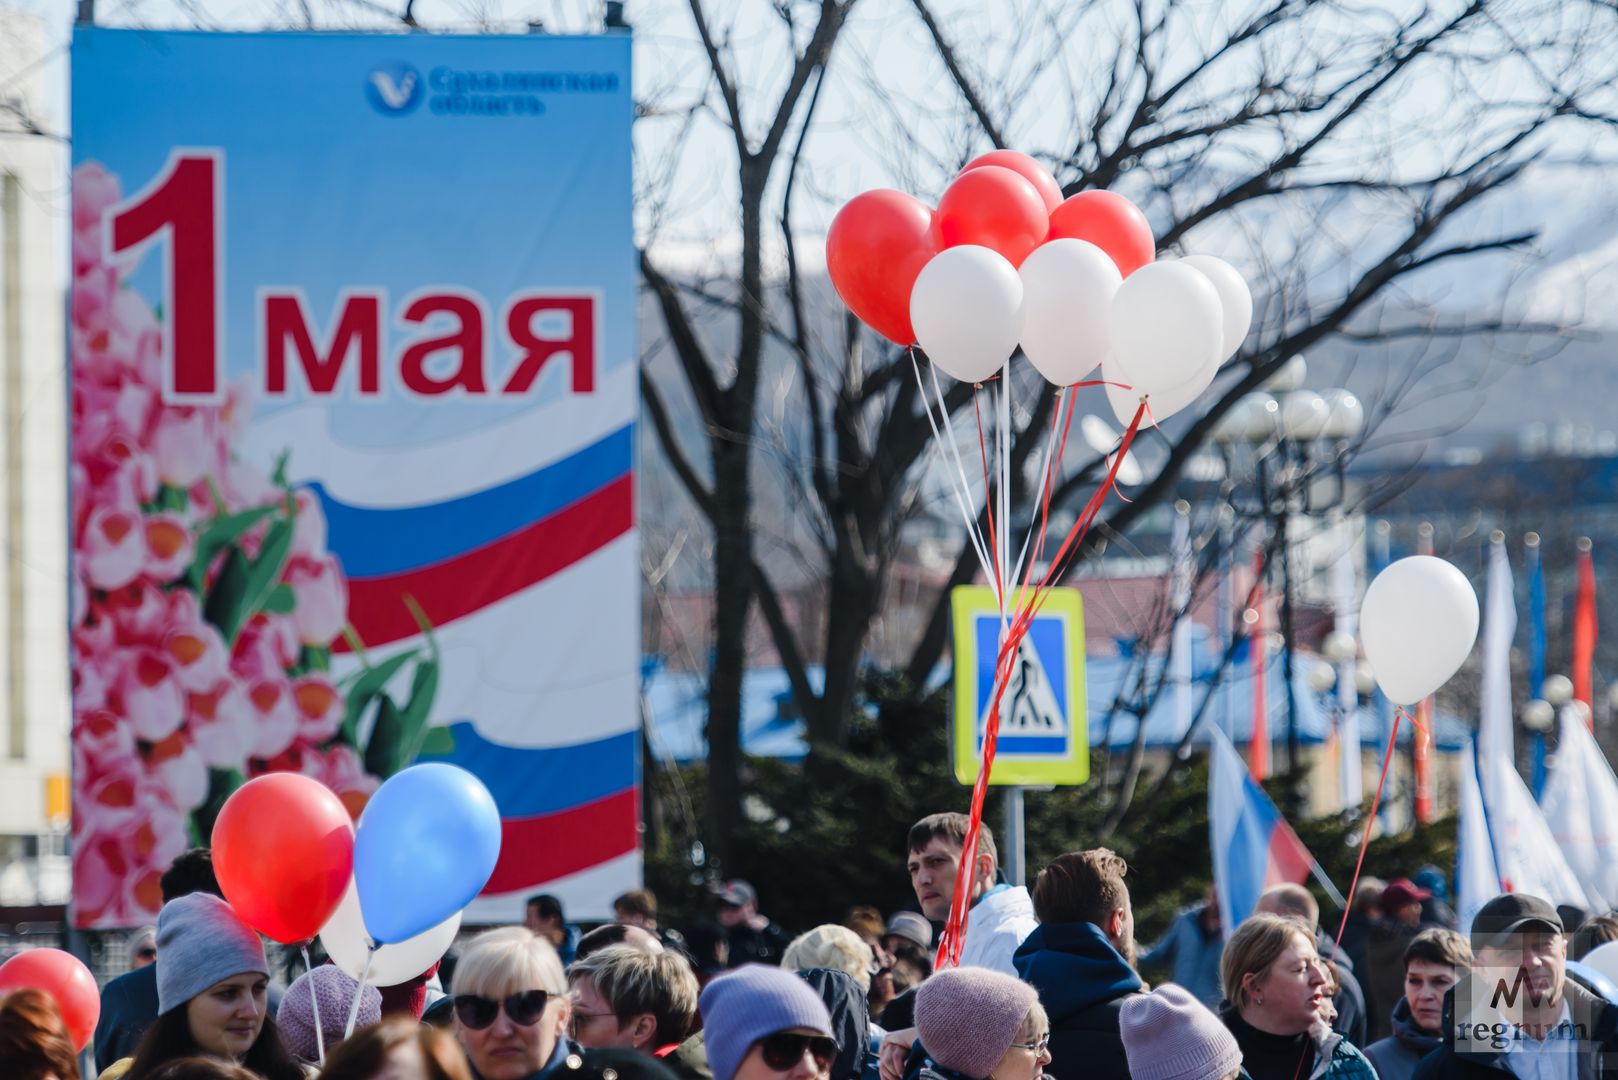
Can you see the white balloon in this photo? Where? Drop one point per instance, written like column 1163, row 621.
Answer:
column 1235, row 300
column 967, row 310
column 1068, row 287
column 1418, row 623
column 1163, row 404
column 1167, row 328
column 346, row 942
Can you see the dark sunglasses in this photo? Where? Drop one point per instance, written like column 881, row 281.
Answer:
column 523, row 1008
column 783, row 1050
column 148, row 953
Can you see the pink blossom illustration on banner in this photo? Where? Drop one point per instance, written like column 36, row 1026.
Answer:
column 204, row 606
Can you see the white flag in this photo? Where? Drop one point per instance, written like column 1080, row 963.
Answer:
column 1580, row 803
column 1525, row 852
column 1477, row 880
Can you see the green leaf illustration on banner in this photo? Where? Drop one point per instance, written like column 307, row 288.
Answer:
column 437, row 742
column 225, row 597
column 367, row 686
column 423, row 689
column 281, row 600
column 387, row 739
column 222, row 533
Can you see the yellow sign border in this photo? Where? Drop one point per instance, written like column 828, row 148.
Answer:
column 968, row 603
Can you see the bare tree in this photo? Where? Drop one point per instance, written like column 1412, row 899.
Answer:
column 1290, row 137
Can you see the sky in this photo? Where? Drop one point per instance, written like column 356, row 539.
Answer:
column 889, row 116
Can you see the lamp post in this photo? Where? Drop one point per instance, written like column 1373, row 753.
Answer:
column 1288, row 436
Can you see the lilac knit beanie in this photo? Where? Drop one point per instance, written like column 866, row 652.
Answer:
column 335, row 989
column 1170, row 1035
column 751, row 1002
column 968, row 1017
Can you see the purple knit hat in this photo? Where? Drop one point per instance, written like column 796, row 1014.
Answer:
column 751, row 1002
column 335, row 989
column 968, row 1017
column 1170, row 1035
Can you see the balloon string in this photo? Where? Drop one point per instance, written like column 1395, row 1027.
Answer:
column 959, row 488
column 953, row 939
column 359, row 992
column 1370, row 819
column 988, row 505
column 314, row 1002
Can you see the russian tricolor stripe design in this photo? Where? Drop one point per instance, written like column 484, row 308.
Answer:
column 563, row 809
column 457, row 557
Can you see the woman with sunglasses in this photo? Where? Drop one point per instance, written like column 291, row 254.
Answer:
column 977, row 1024
column 766, row 1024
column 212, row 996
column 511, row 1006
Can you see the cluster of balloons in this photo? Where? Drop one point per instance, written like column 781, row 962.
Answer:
column 1005, row 260
column 384, row 897
column 1418, row 623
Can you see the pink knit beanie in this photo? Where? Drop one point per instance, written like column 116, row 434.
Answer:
column 1170, row 1035
column 335, row 990
column 968, row 1017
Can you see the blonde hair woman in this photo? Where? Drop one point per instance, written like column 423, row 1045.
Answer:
column 1278, row 986
column 511, row 1005
column 832, row 946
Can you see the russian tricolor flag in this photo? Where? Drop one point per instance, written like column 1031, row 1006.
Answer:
column 1253, row 847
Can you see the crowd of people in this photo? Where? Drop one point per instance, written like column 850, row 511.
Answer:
column 1050, row 978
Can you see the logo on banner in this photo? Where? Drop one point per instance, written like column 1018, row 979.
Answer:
column 394, row 89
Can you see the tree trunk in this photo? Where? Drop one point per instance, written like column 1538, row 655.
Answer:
column 733, row 598
column 853, row 603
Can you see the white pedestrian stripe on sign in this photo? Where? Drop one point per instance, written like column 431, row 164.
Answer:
column 1029, row 706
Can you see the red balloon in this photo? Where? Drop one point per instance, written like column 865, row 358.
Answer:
column 1027, row 168
column 996, row 208
column 877, row 245
column 283, row 850
column 1110, row 222
column 68, row 982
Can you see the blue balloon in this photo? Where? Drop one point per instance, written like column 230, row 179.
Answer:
column 426, row 844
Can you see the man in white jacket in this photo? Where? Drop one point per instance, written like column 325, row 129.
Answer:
column 1001, row 915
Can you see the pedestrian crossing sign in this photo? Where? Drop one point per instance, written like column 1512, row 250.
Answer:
column 1044, row 738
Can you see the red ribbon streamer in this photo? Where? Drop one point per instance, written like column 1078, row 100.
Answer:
column 953, row 939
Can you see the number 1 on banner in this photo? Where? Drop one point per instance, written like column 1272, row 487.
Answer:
column 183, row 207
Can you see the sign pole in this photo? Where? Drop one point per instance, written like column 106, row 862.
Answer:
column 1014, row 854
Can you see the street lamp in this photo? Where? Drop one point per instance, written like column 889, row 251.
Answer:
column 1296, row 429
column 1322, row 678
column 1558, row 690
column 1538, row 715
column 1339, row 647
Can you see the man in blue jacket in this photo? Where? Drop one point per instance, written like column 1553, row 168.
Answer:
column 1080, row 959
column 1190, row 949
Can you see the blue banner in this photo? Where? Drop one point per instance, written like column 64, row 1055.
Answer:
column 354, row 422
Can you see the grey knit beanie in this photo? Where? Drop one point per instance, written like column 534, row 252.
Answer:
column 201, row 941
column 1170, row 1035
column 334, row 989
column 968, row 1017
column 751, row 1002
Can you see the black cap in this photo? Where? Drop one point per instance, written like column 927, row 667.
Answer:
column 1507, row 914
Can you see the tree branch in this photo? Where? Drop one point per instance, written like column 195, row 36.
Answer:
column 946, row 53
